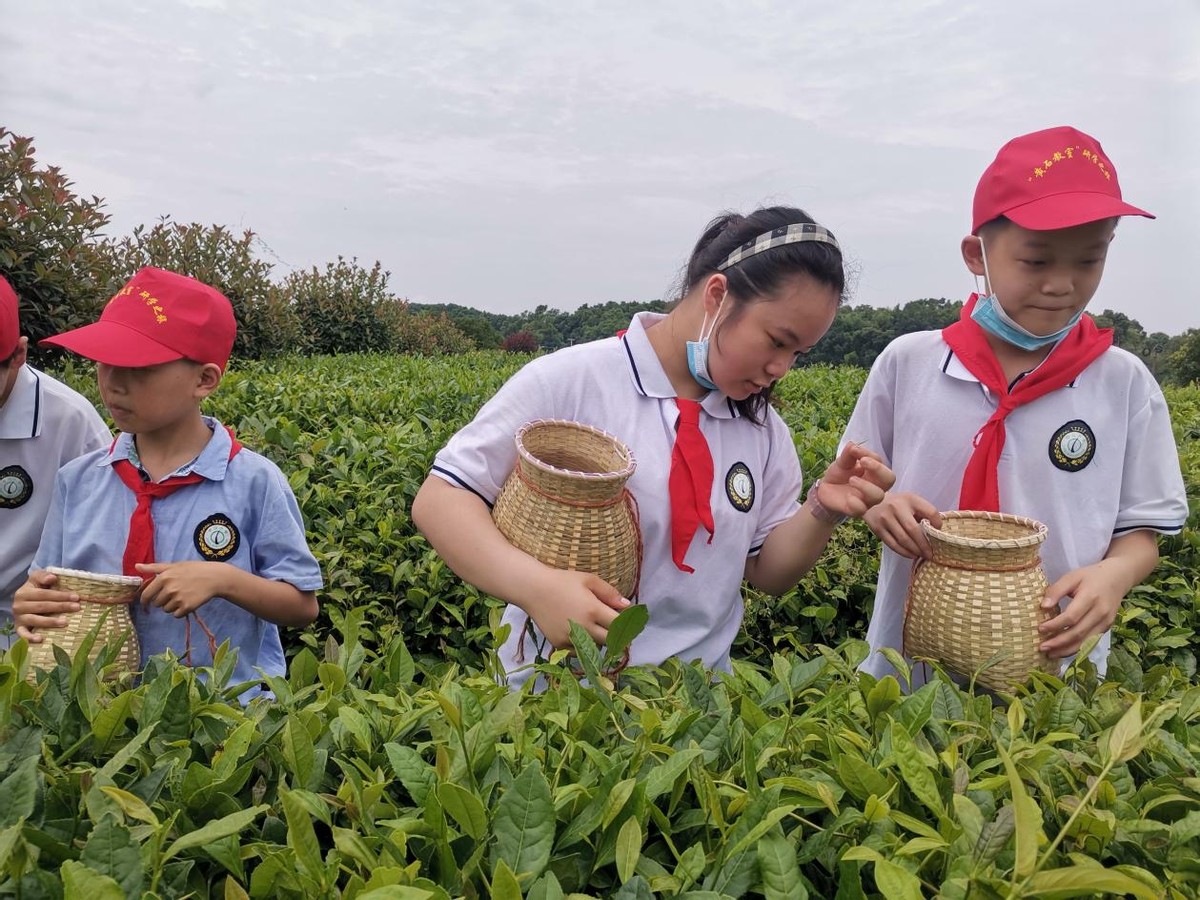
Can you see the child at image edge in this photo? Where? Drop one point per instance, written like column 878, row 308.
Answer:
column 175, row 498
column 1024, row 406
column 43, row 424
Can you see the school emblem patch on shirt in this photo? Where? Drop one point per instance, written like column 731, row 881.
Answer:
column 217, row 538
column 16, row 487
column 739, row 487
column 1073, row 446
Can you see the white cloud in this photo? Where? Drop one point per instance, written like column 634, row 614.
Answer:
column 604, row 134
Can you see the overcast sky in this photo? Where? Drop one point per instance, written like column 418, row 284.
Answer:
column 507, row 154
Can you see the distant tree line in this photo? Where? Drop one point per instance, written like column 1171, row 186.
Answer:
column 54, row 251
column 857, row 336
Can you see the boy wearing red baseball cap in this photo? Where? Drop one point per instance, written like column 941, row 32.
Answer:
column 43, row 424
column 175, row 499
column 1024, row 406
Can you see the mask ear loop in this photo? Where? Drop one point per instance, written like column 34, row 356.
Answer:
column 705, row 331
column 987, row 278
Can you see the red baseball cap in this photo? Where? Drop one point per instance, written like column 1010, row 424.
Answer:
column 157, row 317
column 10, row 323
column 1056, row 178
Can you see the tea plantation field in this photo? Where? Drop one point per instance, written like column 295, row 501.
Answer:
column 391, row 765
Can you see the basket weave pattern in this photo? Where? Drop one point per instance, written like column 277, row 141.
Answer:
column 98, row 595
column 566, row 503
column 979, row 598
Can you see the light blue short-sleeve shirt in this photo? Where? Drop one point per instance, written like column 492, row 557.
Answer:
column 243, row 513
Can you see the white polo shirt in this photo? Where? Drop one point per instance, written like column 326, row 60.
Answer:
column 43, row 425
column 1093, row 460
column 618, row 384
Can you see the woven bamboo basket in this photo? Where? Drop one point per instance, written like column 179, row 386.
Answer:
column 98, row 594
column 566, row 503
column 978, row 599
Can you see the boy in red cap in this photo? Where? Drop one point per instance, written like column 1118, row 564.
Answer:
column 175, row 499
column 1024, row 406
column 43, row 424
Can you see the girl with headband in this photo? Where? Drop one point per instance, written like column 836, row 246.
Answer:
column 718, row 480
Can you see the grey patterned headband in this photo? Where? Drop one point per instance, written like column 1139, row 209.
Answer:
column 787, row 234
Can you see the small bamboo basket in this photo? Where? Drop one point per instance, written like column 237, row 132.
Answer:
column 98, row 594
column 566, row 503
column 978, row 600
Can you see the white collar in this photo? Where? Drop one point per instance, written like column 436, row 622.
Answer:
column 648, row 376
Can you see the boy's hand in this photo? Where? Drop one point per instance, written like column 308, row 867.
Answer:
column 181, row 588
column 1096, row 592
column 38, row 604
column 896, row 521
column 856, row 481
column 1092, row 609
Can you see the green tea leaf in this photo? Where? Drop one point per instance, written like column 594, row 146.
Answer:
column 233, row 823
column 124, row 755
column 298, row 751
column 81, row 883
column 779, row 869
column 112, row 851
column 1085, row 881
column 1027, row 818
column 896, row 883
column 636, row 888
column 1125, row 740
column 629, row 848
column 914, row 770
column 662, row 777
column 465, row 808
column 302, row 838
column 524, row 824
column 629, row 623
column 504, row 883
column 883, row 696
column 8, row 841
column 860, row 777
column 616, row 800
column 18, row 792
column 995, row 835
column 417, row 776
column 111, row 719
column 545, row 888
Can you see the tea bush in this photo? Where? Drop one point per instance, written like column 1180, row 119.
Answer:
column 392, row 765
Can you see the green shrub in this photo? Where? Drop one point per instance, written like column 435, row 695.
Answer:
column 48, row 244
column 374, row 776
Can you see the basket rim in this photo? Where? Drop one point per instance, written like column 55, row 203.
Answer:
column 122, row 580
column 624, row 472
column 1038, row 535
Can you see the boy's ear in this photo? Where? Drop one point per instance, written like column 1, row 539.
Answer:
column 207, row 379
column 972, row 254
column 21, row 354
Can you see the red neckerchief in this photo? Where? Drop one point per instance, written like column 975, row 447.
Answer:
column 139, row 548
column 690, row 483
column 1074, row 353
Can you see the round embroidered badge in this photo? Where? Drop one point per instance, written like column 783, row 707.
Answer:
column 1073, row 446
column 216, row 538
column 739, row 487
column 16, row 487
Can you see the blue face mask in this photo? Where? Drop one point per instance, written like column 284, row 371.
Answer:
column 697, row 352
column 992, row 318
